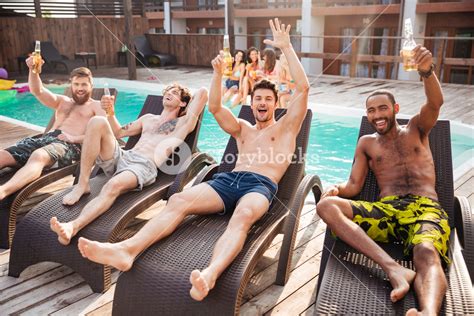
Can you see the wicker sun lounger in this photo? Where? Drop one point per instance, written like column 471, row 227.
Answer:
column 35, row 242
column 9, row 207
column 158, row 282
column 350, row 283
column 53, row 58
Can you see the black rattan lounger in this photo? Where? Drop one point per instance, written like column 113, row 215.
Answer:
column 350, row 283
column 9, row 207
column 158, row 282
column 35, row 242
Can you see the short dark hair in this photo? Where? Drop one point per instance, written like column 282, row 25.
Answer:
column 382, row 92
column 81, row 72
column 265, row 84
column 184, row 93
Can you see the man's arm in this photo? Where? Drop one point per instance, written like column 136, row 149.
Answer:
column 359, row 171
column 134, row 128
column 224, row 117
column 429, row 112
column 299, row 102
column 45, row 96
column 195, row 107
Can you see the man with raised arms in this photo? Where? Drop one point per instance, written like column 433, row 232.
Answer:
column 247, row 191
column 135, row 168
column 408, row 210
column 62, row 144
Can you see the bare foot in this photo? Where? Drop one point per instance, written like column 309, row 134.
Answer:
column 77, row 191
column 400, row 280
column 202, row 284
column 64, row 230
column 412, row 312
column 2, row 194
column 106, row 253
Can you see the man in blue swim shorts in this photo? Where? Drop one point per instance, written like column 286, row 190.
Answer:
column 245, row 193
column 408, row 210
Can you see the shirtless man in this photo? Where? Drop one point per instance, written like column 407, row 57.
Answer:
column 408, row 210
column 135, row 168
column 61, row 145
column 247, row 191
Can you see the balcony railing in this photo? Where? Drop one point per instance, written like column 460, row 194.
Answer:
column 339, row 3
column 190, row 5
column 265, row 4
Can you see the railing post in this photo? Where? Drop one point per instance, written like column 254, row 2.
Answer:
column 38, row 9
column 439, row 59
column 353, row 65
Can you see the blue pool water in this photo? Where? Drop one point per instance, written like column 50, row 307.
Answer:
column 331, row 144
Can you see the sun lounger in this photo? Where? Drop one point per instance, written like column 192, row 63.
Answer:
column 158, row 282
column 9, row 207
column 53, row 58
column 147, row 55
column 35, row 242
column 350, row 283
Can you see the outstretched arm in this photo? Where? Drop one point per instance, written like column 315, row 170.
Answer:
column 359, row 171
column 429, row 112
column 299, row 102
column 224, row 117
column 195, row 107
column 45, row 96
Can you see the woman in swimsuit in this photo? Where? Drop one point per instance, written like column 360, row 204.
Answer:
column 285, row 82
column 233, row 84
column 269, row 64
column 252, row 72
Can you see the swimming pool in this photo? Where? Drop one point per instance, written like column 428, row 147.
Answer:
column 331, row 144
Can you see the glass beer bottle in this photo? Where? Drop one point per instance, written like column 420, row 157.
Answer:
column 409, row 44
column 227, row 57
column 37, row 58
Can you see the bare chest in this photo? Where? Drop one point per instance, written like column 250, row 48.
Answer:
column 158, row 127
column 270, row 142
column 406, row 149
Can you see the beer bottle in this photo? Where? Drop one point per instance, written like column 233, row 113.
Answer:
column 227, row 57
column 37, row 58
column 409, row 43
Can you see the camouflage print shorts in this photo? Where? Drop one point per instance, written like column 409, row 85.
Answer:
column 62, row 153
column 412, row 219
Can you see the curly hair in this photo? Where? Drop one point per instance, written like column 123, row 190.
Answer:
column 184, row 93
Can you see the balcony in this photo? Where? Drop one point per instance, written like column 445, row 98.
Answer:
column 355, row 7
column 266, row 9
column 444, row 6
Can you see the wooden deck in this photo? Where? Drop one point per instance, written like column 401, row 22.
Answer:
column 50, row 288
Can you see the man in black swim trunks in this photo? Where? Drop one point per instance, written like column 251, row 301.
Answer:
column 247, row 191
column 62, row 144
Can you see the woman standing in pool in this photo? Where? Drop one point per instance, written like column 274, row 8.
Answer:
column 233, row 85
column 253, row 72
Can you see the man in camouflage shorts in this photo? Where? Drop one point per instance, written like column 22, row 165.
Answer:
column 61, row 145
column 408, row 211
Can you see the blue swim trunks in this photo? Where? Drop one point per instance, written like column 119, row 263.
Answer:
column 231, row 186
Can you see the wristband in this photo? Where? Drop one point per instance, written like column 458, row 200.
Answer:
column 426, row 74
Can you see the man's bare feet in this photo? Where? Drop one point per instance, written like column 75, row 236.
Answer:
column 202, row 283
column 106, row 253
column 64, row 230
column 400, row 280
column 77, row 191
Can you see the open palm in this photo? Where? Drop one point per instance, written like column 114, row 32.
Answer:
column 281, row 35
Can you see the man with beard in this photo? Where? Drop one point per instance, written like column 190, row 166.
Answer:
column 408, row 209
column 247, row 191
column 61, row 145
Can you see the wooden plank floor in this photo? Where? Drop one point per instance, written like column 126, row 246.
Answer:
column 50, row 288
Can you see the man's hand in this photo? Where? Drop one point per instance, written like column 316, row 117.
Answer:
column 281, row 35
column 218, row 64
column 331, row 191
column 30, row 62
column 423, row 58
column 66, row 137
column 107, row 103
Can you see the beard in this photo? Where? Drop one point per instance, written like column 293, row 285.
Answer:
column 390, row 124
column 81, row 99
